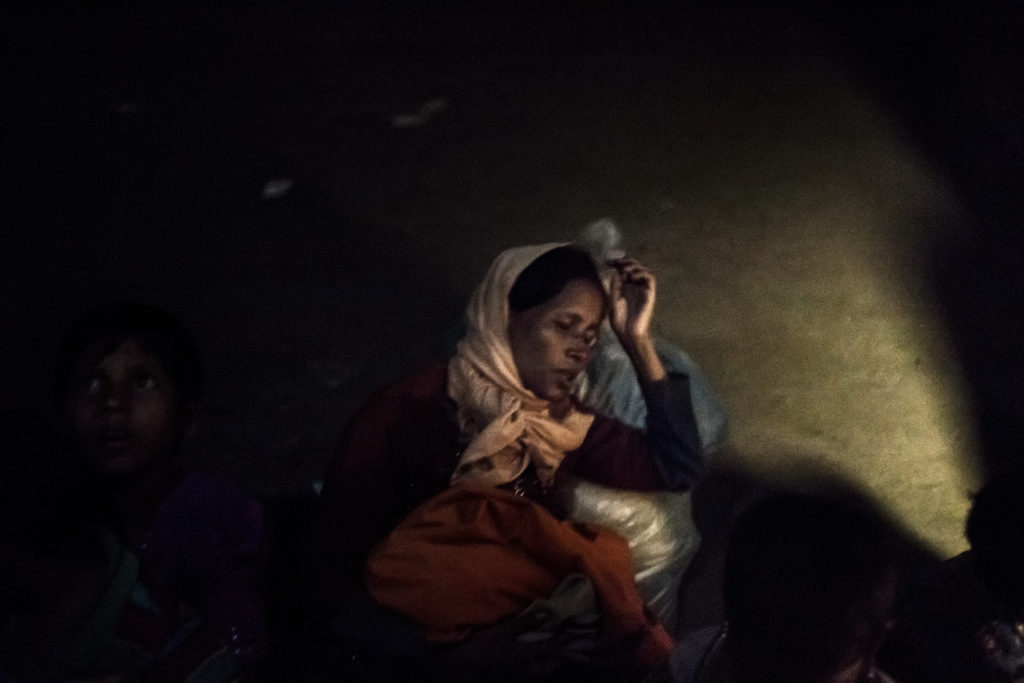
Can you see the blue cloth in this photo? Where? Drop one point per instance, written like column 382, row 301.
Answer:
column 611, row 387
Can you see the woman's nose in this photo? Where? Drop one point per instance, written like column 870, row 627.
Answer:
column 579, row 353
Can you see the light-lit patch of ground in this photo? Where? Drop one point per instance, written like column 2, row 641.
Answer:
column 784, row 209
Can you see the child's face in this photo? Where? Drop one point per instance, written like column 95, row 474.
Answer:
column 125, row 411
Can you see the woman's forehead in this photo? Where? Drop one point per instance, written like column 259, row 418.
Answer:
column 580, row 297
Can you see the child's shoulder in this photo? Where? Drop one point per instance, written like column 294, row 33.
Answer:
column 203, row 489
column 205, row 501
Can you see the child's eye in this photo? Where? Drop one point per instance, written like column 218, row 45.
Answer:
column 563, row 325
column 92, row 386
column 145, row 382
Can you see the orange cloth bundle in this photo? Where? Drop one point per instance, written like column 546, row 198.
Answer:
column 472, row 556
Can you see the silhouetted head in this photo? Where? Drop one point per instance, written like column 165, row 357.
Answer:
column 809, row 586
column 995, row 530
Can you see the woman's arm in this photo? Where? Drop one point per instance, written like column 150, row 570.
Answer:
column 631, row 308
column 672, row 436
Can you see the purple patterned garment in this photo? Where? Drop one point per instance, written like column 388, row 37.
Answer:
column 207, row 544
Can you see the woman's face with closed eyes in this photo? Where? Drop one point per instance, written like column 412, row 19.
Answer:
column 551, row 342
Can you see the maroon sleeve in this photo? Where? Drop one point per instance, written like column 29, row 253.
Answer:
column 616, row 455
column 392, row 456
column 358, row 490
column 667, row 455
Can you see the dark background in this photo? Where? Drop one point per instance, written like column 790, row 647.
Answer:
column 137, row 139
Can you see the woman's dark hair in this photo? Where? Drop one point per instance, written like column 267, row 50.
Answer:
column 805, row 581
column 995, row 530
column 101, row 331
column 548, row 275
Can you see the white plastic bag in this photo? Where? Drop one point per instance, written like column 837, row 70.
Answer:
column 660, row 531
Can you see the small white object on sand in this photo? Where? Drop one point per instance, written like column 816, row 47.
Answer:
column 422, row 115
column 277, row 188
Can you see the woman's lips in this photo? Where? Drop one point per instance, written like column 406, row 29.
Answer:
column 565, row 379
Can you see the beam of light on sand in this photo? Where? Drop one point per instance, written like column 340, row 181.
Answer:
column 787, row 214
column 837, row 327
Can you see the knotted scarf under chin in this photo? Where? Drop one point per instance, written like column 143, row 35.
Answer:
column 507, row 425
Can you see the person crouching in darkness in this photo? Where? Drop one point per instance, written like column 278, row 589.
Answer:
column 128, row 384
column 810, row 584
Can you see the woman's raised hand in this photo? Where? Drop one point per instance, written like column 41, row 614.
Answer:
column 631, row 300
column 631, row 307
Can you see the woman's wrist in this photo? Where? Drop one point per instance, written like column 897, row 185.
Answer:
column 642, row 353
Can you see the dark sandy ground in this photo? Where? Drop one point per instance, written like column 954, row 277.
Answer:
column 798, row 181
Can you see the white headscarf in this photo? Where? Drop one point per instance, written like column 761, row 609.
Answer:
column 509, row 427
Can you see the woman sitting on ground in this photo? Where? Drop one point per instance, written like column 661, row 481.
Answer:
column 498, row 423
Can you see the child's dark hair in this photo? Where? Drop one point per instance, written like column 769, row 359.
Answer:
column 995, row 530
column 543, row 279
column 804, row 580
column 101, row 331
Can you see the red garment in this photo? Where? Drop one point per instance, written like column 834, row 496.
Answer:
column 399, row 451
column 475, row 555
